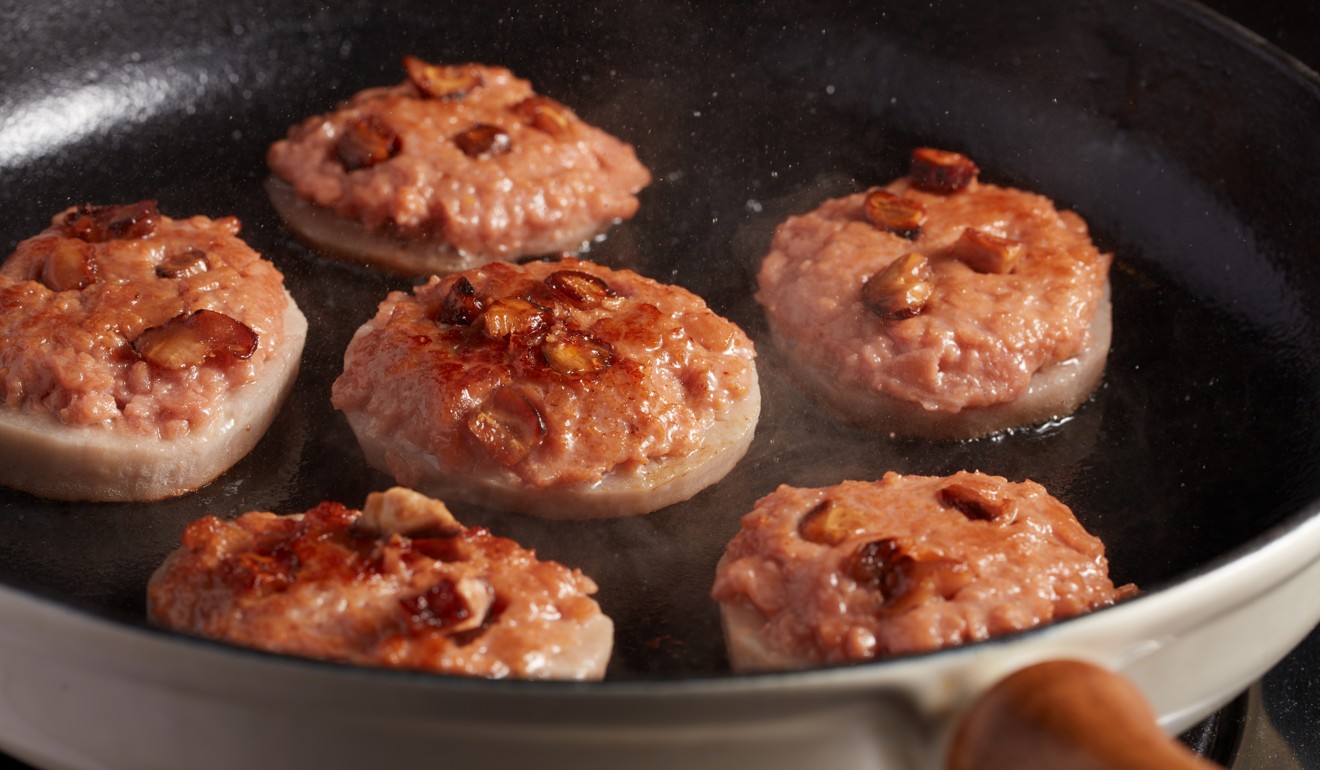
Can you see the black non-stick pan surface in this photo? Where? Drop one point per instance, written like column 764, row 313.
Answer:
column 1186, row 147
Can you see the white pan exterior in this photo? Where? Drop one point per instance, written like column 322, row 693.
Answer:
column 79, row 693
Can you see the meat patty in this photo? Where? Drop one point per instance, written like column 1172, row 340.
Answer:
column 141, row 356
column 939, row 306
column 456, row 166
column 559, row 389
column 400, row 584
column 907, row 564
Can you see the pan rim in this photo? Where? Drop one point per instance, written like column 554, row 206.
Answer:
column 1271, row 553
column 1247, row 550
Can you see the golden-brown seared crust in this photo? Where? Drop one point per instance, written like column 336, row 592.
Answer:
column 945, row 313
column 907, row 564
column 562, row 389
column 340, row 584
column 142, row 355
column 458, row 165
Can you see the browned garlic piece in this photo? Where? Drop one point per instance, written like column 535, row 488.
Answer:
column 483, row 141
column 941, row 171
column 976, row 502
column 899, row 215
column 514, row 319
column 399, row 510
column 576, row 354
column 366, row 142
column 461, row 306
column 70, row 266
column 901, row 290
column 582, row 289
column 547, row 115
column 191, row 339
column 183, row 264
column 830, row 524
column 508, row 425
column 985, row 252
column 97, row 224
column 903, row 579
column 442, row 82
column 453, row 605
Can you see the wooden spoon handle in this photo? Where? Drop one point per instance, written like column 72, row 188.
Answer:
column 1065, row 715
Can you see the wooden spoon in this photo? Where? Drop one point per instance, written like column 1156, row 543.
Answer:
column 1066, row 715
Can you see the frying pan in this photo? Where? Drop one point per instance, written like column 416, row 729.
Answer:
column 1186, row 145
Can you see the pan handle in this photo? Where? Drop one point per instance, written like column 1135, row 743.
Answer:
column 1065, row 715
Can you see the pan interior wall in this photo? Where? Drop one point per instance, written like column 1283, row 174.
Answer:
column 1201, row 441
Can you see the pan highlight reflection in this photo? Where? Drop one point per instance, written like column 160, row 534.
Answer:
column 71, row 111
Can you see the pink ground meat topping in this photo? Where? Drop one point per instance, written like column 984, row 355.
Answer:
column 602, row 386
column 909, row 564
column 542, row 177
column 981, row 336
column 69, row 353
column 311, row 584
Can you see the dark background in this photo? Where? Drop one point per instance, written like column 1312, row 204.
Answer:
column 1290, row 693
